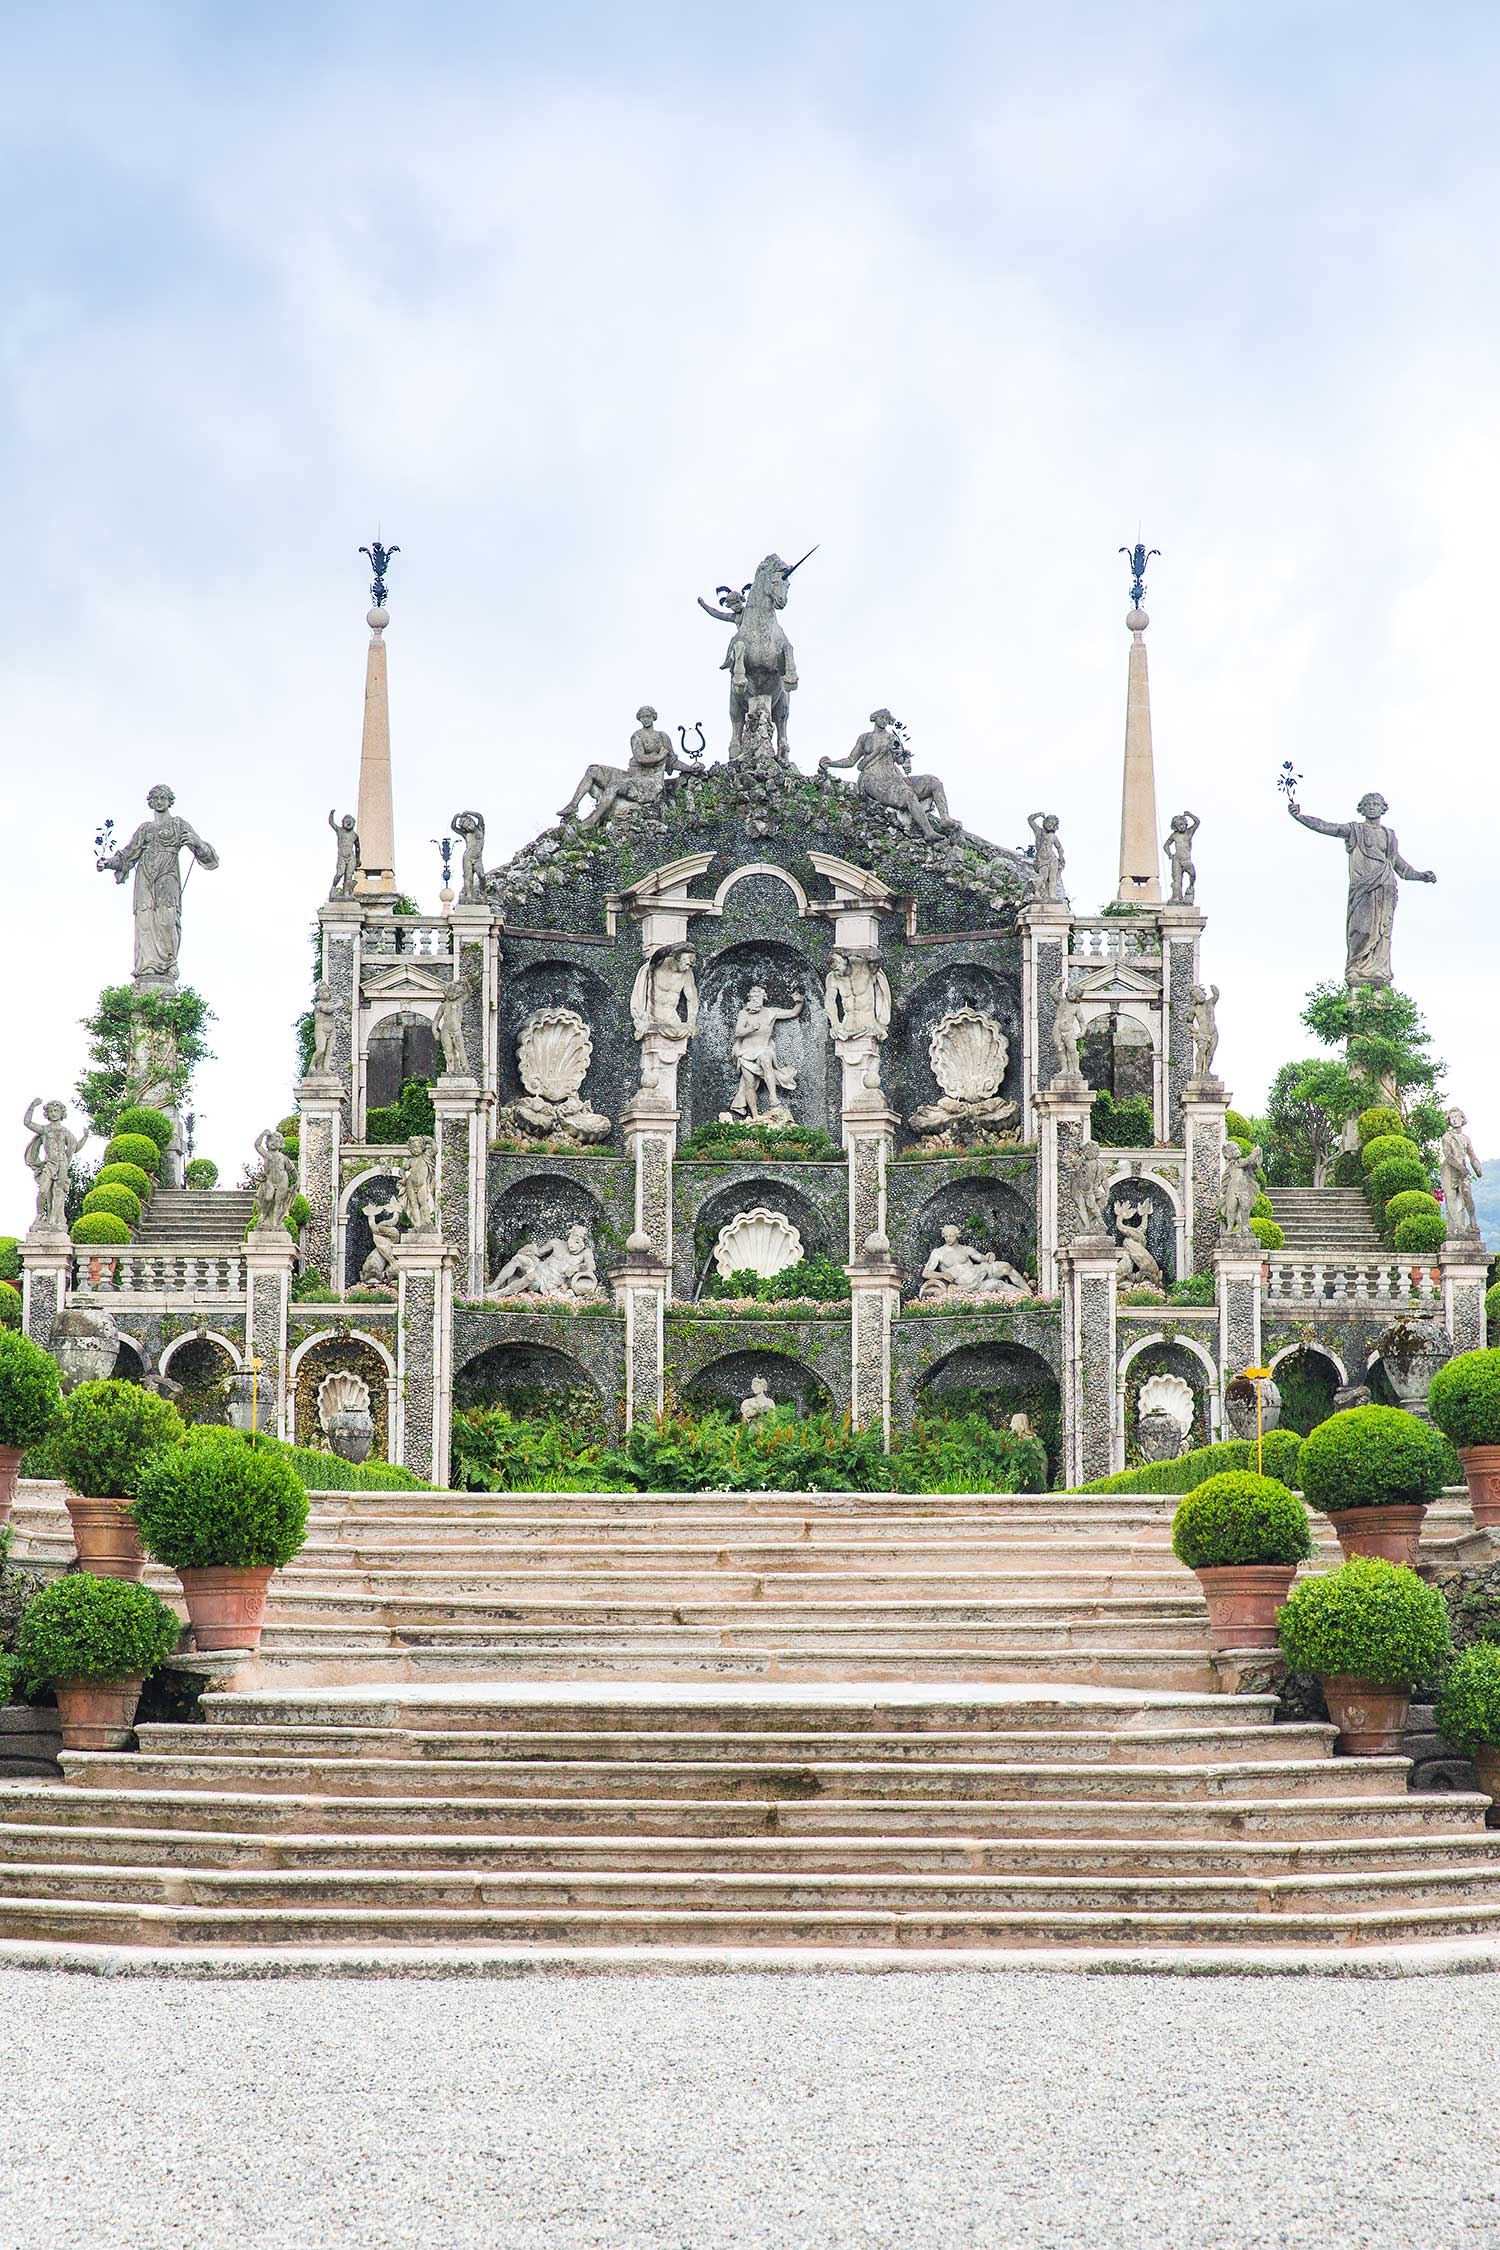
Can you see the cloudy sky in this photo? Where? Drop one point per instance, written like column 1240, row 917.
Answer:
column 588, row 307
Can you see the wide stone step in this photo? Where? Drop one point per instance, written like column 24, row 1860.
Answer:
column 329, row 1664
column 762, row 1607
column 826, row 1643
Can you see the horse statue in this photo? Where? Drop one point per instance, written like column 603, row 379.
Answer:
column 762, row 669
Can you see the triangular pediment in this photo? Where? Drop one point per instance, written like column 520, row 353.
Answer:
column 1114, row 981
column 404, row 983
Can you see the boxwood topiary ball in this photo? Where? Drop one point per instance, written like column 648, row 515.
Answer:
column 1394, row 1178
column 1464, row 1398
column 1468, row 1710
column 99, row 1228
column 30, row 1398
column 1386, row 1147
column 107, row 1432
column 1381, row 1119
column 1267, row 1233
column 1372, row 1620
column 1240, row 1518
column 154, row 1123
column 86, row 1628
column 122, row 1201
column 1372, row 1457
column 1280, row 1457
column 134, row 1148
column 1422, row 1231
column 217, row 1502
column 125, row 1175
column 10, row 1308
column 1412, row 1203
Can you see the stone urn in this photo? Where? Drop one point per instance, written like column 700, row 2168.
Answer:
column 1370, row 1717
column 344, row 1415
column 85, row 1343
column 1164, row 1417
column 97, row 1714
column 1159, row 1437
column 1243, row 1599
column 1481, row 1474
column 1392, row 1533
column 1411, row 1351
column 1239, row 1406
column 226, row 1608
column 1487, row 1773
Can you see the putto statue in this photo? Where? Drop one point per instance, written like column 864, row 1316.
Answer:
column 450, row 1029
column 156, row 901
column 1047, row 859
column 49, row 1152
column 664, row 997
column 419, row 1185
column 1205, row 1029
column 1136, row 1261
column 652, row 758
column 1241, row 1186
column 1374, row 864
column 1091, row 1169
column 856, row 996
column 759, row 657
column 1179, row 852
column 886, row 778
column 956, row 1269
column 470, row 826
column 754, row 1049
column 276, row 1185
column 561, row 1269
column 1067, row 1030
column 346, row 870
column 1459, row 1165
column 325, row 1027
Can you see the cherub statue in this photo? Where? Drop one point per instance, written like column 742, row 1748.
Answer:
column 384, row 1221
column 419, row 1183
column 276, row 1185
column 450, row 1028
column 49, row 1153
column 1048, row 859
column 1459, row 1165
column 346, row 870
column 1205, row 1029
column 470, row 826
column 1091, row 1187
column 1179, row 850
column 1067, row 1030
column 325, row 1026
column 1242, row 1185
column 652, row 758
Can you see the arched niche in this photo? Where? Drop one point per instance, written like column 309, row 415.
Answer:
column 398, row 1047
column 326, row 1355
column 958, row 985
column 201, row 1365
column 531, row 1380
column 612, row 1074
column 747, row 1195
column 724, row 985
column 724, row 1382
column 536, row 1208
column 1159, row 1355
column 1118, row 1055
column 990, row 1215
column 1161, row 1226
column 1307, row 1379
column 130, row 1363
column 997, row 1380
column 372, row 1187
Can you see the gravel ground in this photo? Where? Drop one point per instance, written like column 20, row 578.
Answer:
column 1002, row 2110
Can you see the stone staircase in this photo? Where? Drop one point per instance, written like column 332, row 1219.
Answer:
column 203, row 1219
column 1332, row 1223
column 580, row 1721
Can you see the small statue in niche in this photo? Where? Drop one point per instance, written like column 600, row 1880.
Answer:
column 450, row 1028
column 1459, row 1165
column 1179, row 851
column 419, row 1184
column 956, row 1269
column 1067, row 1030
column 470, row 826
column 1242, row 1186
column 857, row 996
column 759, row 1402
column 384, row 1222
column 346, row 868
column 1205, row 1029
column 49, row 1153
column 885, row 777
column 1047, row 860
column 1091, row 1187
column 1136, row 1263
column 562, row 1268
column 276, row 1185
column 325, row 1026
column 664, row 997
column 754, row 1049
column 652, row 758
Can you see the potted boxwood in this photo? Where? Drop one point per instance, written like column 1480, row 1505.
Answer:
column 105, row 1435
column 1464, row 1401
column 30, row 1398
column 224, row 1514
column 1369, row 1632
column 1468, row 1711
column 94, row 1640
column 1372, row 1471
column 1242, row 1536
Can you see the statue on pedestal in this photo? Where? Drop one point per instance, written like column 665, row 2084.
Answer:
column 470, row 826
column 156, row 901
column 1242, row 1185
column 1091, row 1172
column 759, row 1402
column 49, row 1153
column 419, row 1185
column 1459, row 1165
column 346, row 868
column 1067, row 1030
column 762, row 669
column 956, row 1269
column 562, row 1268
column 1374, row 864
column 664, row 997
column 1047, row 859
column 325, row 1026
column 276, row 1186
column 384, row 1222
column 1205, row 1029
column 1136, row 1261
column 856, row 996
column 1179, row 853
column 450, row 1028
column 754, row 1049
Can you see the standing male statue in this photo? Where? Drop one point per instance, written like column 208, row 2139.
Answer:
column 754, row 1049
column 49, row 1152
column 1374, row 863
column 1459, row 1165
column 153, row 851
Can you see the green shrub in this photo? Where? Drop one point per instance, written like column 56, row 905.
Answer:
column 1280, row 1457
column 121, row 1202
column 411, row 1113
column 154, row 1123
column 1398, row 1177
column 11, row 1307
column 1388, row 1148
column 1239, row 1518
column 29, row 1393
column 216, row 1502
column 107, row 1432
column 1122, row 1124
column 804, row 1143
column 1464, row 1398
column 1197, row 1289
column 817, row 1277
column 134, row 1148
column 1372, row 1457
column 99, row 1227
column 329, row 1472
column 1423, row 1232
column 1262, row 1208
column 312, row 1287
column 1267, row 1233
column 967, row 1453
column 1468, row 1709
column 86, row 1628
column 1238, row 1127
column 1181, row 1475
column 1412, row 1203
column 1492, row 1310
column 10, row 1257
column 298, row 1214
column 12, row 1679
column 124, row 1175
column 201, row 1172
column 1373, row 1620
column 1372, row 1123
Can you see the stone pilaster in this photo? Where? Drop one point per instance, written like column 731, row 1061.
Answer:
column 459, row 1109
column 46, row 1267
column 1204, row 1103
column 473, row 966
column 424, row 1355
column 1062, row 1127
column 1181, row 929
column 1089, row 1275
column 320, row 1103
column 649, row 1126
column 1465, row 1273
column 1237, row 1262
column 875, row 1290
column 1045, row 926
column 869, row 1132
column 268, row 1286
column 641, row 1286
column 342, row 921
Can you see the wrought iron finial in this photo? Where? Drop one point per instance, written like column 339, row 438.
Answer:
column 380, row 563
column 1138, row 556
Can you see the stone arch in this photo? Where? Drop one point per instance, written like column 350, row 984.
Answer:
column 611, row 1076
column 378, row 1183
column 196, row 1335
column 990, row 1214
column 130, row 1362
column 958, row 984
column 787, row 975
column 998, row 1379
column 201, row 1363
column 1307, row 1375
column 761, row 867
column 1158, row 1353
column 744, row 1195
column 323, row 1353
column 538, row 1206
column 723, row 1382
column 399, row 1044
column 1164, row 1228
column 528, row 1378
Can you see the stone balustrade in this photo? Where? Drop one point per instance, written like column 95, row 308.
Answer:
column 1391, row 1280
column 427, row 937
column 164, row 1270
column 1113, row 938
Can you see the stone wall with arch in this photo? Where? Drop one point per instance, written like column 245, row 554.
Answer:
column 1307, row 1375
column 998, row 1377
column 327, row 1354
column 918, row 1009
column 541, row 1203
column 990, row 1213
column 705, row 1195
column 819, row 1347
column 787, row 975
column 201, row 1363
column 501, row 1352
column 376, row 1185
column 722, row 1383
column 582, row 985
column 1163, row 1228
column 1161, row 1352
column 399, row 1044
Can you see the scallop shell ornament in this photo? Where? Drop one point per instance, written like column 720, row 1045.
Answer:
column 553, row 1052
column 1168, row 1395
column 761, row 1242
column 969, row 1053
column 341, row 1393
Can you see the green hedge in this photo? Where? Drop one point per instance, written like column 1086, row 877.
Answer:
column 1492, row 1311
column 1421, row 1231
column 153, row 1123
column 1374, row 1620
column 120, row 1202
column 134, row 1148
column 1372, row 1123
column 217, row 1502
column 1240, row 1518
column 127, row 1176
column 1373, row 1457
column 1468, row 1709
column 1128, row 1123
column 86, row 1628
column 107, row 1432
column 11, row 1305
column 99, row 1227
column 30, row 1398
column 1464, row 1398
column 329, row 1472
column 1280, row 1455
column 10, row 1257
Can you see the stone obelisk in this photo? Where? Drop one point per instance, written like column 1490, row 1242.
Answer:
column 1140, row 876
column 376, row 819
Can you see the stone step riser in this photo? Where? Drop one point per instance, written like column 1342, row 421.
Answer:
column 328, row 1665
column 827, row 1641
column 896, row 1623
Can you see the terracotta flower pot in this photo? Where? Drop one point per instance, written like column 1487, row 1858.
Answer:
column 1487, row 1773
column 1370, row 1717
column 97, row 1714
column 226, row 1608
column 1390, row 1533
column 1243, row 1599
column 105, row 1536
column 1482, row 1475
column 10, row 1467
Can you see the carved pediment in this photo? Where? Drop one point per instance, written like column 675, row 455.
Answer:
column 407, row 982
column 1114, row 981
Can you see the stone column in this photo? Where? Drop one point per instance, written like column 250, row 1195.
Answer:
column 424, row 1355
column 46, row 1268
column 458, row 1107
column 641, row 1287
column 1045, row 927
column 1237, row 1262
column 472, row 957
column 1089, row 1280
column 320, row 1103
column 1062, row 1127
column 1181, row 928
column 269, row 1256
column 1204, row 1103
column 875, row 1289
column 648, row 1123
column 342, row 921
column 1465, row 1275
column 869, row 1132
